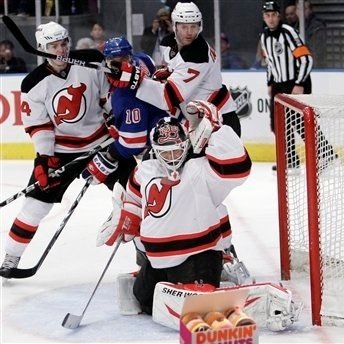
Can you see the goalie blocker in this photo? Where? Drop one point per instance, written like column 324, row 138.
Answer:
column 269, row 305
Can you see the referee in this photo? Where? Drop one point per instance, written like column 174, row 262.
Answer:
column 289, row 64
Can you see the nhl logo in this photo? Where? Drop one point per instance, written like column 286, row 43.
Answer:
column 278, row 48
column 242, row 98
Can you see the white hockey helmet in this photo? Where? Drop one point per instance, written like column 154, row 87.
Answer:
column 49, row 33
column 186, row 12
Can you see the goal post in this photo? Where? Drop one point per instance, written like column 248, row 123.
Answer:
column 310, row 178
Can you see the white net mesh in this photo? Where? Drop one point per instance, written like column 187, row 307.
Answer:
column 329, row 129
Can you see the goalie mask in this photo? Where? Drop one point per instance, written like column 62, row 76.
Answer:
column 50, row 33
column 170, row 143
column 187, row 13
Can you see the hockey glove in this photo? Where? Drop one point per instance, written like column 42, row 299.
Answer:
column 128, row 224
column 44, row 164
column 204, row 118
column 161, row 74
column 109, row 227
column 99, row 168
column 125, row 75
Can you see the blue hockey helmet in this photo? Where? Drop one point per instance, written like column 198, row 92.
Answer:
column 117, row 47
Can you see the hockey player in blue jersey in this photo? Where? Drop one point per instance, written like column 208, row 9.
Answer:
column 132, row 118
column 130, row 122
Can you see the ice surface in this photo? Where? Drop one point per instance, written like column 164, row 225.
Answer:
column 32, row 309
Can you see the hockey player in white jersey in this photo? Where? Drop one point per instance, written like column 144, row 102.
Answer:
column 192, row 70
column 172, row 201
column 63, row 114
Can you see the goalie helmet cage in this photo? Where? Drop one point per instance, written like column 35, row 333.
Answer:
column 311, row 198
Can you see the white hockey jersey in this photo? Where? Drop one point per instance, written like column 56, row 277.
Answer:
column 181, row 218
column 196, row 74
column 63, row 112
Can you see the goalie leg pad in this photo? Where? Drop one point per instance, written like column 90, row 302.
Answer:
column 168, row 301
column 127, row 302
column 269, row 305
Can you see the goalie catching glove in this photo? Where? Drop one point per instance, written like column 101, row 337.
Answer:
column 44, row 164
column 124, row 75
column 204, row 118
column 99, row 168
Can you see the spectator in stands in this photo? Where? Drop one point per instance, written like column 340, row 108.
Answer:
column 152, row 35
column 290, row 15
column 98, row 35
column 259, row 61
column 21, row 8
column 228, row 59
column 85, row 43
column 8, row 62
column 315, row 34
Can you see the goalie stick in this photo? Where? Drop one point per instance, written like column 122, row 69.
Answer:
column 72, row 321
column 25, row 273
column 81, row 57
column 58, row 172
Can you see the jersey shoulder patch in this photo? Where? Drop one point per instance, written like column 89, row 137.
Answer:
column 196, row 52
column 34, row 78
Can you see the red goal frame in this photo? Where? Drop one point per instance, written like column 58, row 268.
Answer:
column 309, row 117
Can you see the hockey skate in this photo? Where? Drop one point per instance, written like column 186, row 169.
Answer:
column 10, row 262
column 234, row 270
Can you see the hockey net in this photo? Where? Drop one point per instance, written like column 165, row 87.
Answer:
column 311, row 197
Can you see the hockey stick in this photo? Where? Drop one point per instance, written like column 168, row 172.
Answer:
column 76, row 57
column 25, row 273
column 72, row 321
column 58, row 172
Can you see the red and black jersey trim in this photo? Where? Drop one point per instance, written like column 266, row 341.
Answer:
column 133, row 185
column 76, row 142
column 226, row 228
column 172, row 95
column 42, row 127
column 220, row 97
column 231, row 168
column 183, row 244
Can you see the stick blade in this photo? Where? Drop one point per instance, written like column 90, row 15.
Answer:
column 19, row 273
column 71, row 321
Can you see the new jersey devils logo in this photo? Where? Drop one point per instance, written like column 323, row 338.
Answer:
column 69, row 104
column 158, row 196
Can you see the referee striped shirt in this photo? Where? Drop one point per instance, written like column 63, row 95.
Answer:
column 287, row 57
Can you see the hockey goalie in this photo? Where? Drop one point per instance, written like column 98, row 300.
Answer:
column 173, row 208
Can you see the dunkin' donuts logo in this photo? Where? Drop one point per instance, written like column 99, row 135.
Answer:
column 242, row 98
